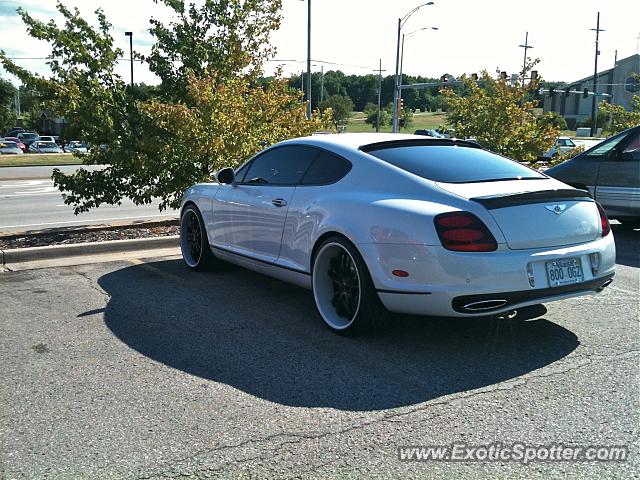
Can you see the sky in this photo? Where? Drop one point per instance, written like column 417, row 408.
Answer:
column 353, row 35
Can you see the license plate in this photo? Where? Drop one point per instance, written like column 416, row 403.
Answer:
column 564, row 272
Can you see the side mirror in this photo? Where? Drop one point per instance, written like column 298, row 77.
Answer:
column 226, row 176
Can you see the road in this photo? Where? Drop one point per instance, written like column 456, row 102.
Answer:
column 30, row 205
column 142, row 369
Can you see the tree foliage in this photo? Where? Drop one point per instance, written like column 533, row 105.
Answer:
column 7, row 110
column 340, row 106
column 210, row 109
column 495, row 113
column 621, row 119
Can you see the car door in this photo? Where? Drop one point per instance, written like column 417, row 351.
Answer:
column 230, row 226
column 618, row 183
column 582, row 170
column 272, row 178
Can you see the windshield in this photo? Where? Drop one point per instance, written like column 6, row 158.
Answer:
column 29, row 136
column 7, row 144
column 454, row 164
column 47, row 145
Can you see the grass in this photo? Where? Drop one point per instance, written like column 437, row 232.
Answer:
column 421, row 120
column 38, row 159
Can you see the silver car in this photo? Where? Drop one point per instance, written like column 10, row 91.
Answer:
column 383, row 222
column 44, row 147
column 9, row 148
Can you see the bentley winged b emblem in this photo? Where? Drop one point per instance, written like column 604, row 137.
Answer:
column 557, row 209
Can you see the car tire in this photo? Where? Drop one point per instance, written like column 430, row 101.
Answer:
column 344, row 294
column 194, row 242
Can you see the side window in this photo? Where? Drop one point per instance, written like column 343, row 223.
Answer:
column 631, row 150
column 242, row 172
column 281, row 166
column 605, row 147
column 327, row 168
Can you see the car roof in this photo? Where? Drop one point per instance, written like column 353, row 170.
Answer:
column 354, row 141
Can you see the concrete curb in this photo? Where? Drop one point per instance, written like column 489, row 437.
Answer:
column 34, row 254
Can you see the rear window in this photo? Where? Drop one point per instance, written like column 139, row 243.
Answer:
column 454, row 164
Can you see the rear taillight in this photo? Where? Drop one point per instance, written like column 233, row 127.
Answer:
column 604, row 221
column 464, row 232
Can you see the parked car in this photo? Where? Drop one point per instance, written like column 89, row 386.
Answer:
column 47, row 138
column 27, row 138
column 610, row 171
column 44, row 147
column 76, row 146
column 561, row 145
column 21, row 145
column 9, row 148
column 379, row 222
column 429, row 133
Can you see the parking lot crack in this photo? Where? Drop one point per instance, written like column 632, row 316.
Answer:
column 91, row 283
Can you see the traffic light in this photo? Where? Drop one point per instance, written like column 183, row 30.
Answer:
column 401, row 123
column 534, row 75
column 400, row 107
column 474, row 77
column 552, row 92
column 503, row 75
column 585, row 93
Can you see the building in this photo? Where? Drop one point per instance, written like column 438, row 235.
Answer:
column 618, row 82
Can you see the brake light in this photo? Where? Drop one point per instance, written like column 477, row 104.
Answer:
column 464, row 232
column 604, row 221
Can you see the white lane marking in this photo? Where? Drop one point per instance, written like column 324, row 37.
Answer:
column 84, row 221
column 30, row 194
column 27, row 184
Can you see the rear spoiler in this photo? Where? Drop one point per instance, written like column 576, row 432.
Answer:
column 542, row 196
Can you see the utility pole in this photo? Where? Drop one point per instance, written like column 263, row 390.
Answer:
column 380, row 70
column 302, row 85
column 308, row 58
column 526, row 47
column 130, row 35
column 321, row 83
column 594, row 117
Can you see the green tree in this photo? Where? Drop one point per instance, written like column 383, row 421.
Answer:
column 621, row 119
column 157, row 142
column 496, row 114
column 7, row 105
column 341, row 107
column 554, row 119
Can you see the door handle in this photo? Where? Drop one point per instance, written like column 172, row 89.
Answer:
column 279, row 202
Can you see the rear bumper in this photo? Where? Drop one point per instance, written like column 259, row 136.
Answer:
column 508, row 300
column 442, row 282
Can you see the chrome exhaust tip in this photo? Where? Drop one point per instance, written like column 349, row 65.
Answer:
column 484, row 305
column 604, row 285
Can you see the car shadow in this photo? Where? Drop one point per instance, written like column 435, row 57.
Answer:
column 265, row 338
column 627, row 245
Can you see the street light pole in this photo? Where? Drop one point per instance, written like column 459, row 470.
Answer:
column 408, row 35
column 396, row 90
column 594, row 117
column 130, row 35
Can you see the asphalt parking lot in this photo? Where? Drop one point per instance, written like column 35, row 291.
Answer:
column 142, row 369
